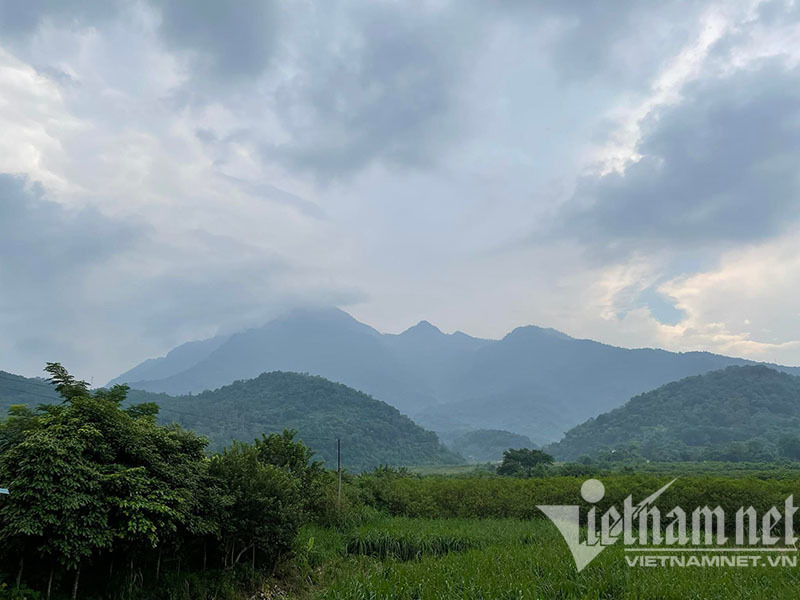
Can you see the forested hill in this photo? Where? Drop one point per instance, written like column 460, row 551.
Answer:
column 372, row 433
column 16, row 389
column 738, row 413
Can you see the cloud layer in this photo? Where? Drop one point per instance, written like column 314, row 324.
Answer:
column 170, row 170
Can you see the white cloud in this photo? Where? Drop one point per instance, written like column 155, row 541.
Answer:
column 392, row 161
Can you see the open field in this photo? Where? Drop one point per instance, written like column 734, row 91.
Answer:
column 409, row 559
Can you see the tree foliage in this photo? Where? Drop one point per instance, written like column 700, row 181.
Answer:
column 372, row 432
column 523, row 462
column 96, row 484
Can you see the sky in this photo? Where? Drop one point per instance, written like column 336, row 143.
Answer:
column 619, row 170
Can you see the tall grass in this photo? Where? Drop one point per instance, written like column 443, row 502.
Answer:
column 411, row 539
column 539, row 566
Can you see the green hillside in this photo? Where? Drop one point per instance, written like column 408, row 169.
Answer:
column 738, row 413
column 16, row 389
column 372, row 433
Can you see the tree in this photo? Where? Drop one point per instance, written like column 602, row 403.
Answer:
column 522, row 462
column 263, row 506
column 282, row 451
column 88, row 477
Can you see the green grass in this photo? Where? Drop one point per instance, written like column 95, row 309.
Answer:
column 410, row 539
column 420, row 559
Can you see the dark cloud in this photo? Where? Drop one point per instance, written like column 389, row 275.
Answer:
column 47, row 257
column 225, row 40
column 42, row 243
column 358, row 83
column 719, row 167
column 379, row 85
column 80, row 284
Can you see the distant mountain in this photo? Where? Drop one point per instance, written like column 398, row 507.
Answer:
column 16, row 389
column 176, row 361
column 738, row 413
column 540, row 382
column 372, row 433
column 536, row 382
column 488, row 445
column 406, row 370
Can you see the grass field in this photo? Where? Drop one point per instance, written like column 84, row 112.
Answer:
column 421, row 559
column 449, row 469
column 482, row 537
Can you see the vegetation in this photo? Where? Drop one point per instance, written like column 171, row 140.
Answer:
column 488, row 445
column 737, row 414
column 455, row 538
column 532, row 564
column 524, row 462
column 372, row 433
column 106, row 502
column 15, row 389
column 104, row 499
column 398, row 493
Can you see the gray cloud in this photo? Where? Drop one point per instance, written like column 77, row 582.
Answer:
column 22, row 18
column 48, row 257
column 280, row 153
column 81, row 285
column 357, row 83
column 621, row 41
column 47, row 245
column 225, row 40
column 381, row 85
column 720, row 167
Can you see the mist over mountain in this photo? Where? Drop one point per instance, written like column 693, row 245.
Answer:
column 738, row 413
column 487, row 445
column 536, row 382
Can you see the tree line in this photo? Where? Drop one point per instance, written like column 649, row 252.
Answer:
column 104, row 499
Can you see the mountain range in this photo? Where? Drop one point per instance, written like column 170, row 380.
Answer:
column 534, row 381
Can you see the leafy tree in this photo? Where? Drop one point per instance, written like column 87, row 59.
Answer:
column 87, row 477
column 523, row 462
column 263, row 504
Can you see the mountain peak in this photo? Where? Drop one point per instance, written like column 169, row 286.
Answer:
column 527, row 331
column 423, row 328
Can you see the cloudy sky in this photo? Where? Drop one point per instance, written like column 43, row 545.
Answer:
column 620, row 170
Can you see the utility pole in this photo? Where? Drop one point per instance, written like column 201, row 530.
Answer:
column 339, row 473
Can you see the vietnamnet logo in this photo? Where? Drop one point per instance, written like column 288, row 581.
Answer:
column 676, row 537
